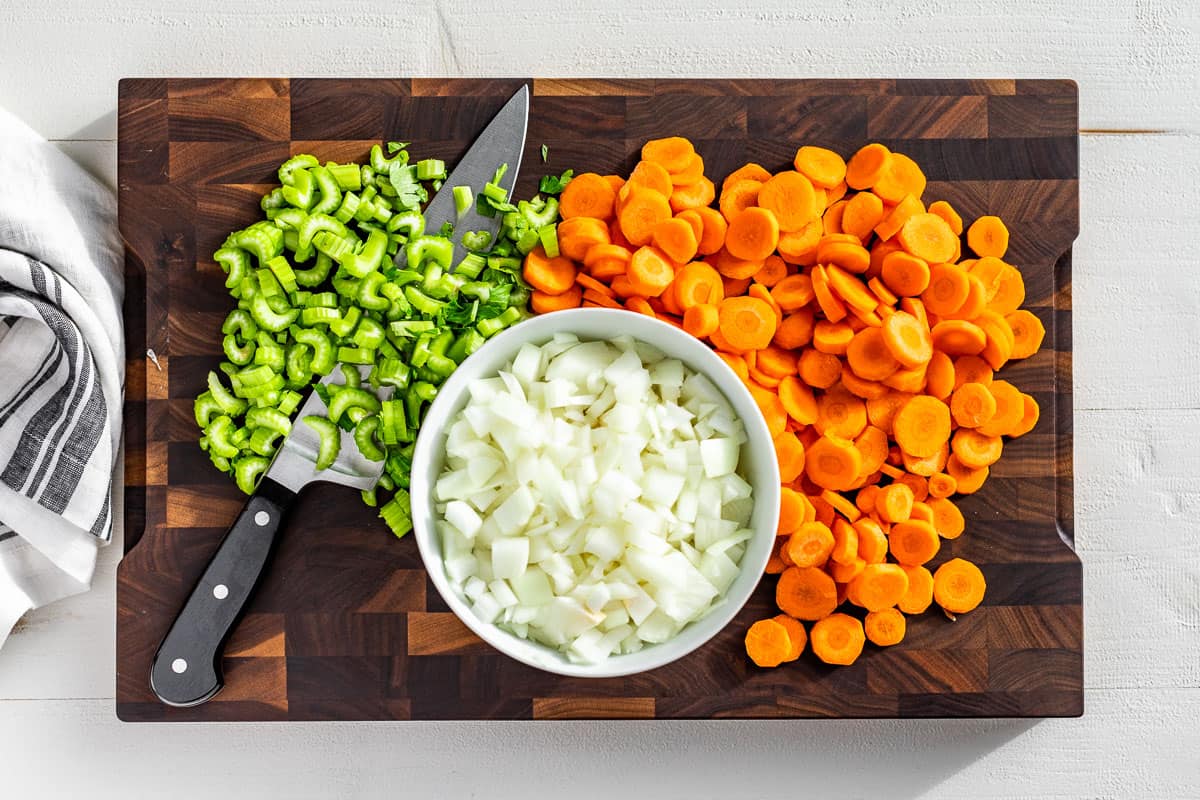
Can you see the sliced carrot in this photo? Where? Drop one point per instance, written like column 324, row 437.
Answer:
column 872, row 542
column 868, row 166
column 586, row 281
column 971, row 405
column 999, row 338
column 672, row 153
column 730, row 266
column 737, row 197
column 811, row 544
column 652, row 176
column 793, row 292
column 903, row 177
column 768, row 643
column 908, row 206
column 947, row 290
column 851, row 256
column 958, row 586
column 693, row 196
column 790, row 197
column 967, row 479
column 543, row 303
column 698, row 283
column 939, row 376
column 1028, row 333
column 974, row 303
column 798, row 401
column 881, row 411
column 746, row 322
column 872, row 445
column 922, row 426
column 797, row 636
column 919, row 596
column 763, row 379
column 691, row 173
column 894, row 502
column 607, row 261
column 793, row 511
column 551, row 276
column 837, row 639
column 712, row 238
column 868, row 355
column 700, row 320
column 753, row 234
column 885, row 627
column 796, row 330
column 789, row 452
column 650, row 271
column 988, row 236
column 905, row 274
column 833, row 307
column 833, row 463
column 913, row 542
column 1029, row 418
column 975, row 450
column 941, row 485
column 831, row 220
column 878, row 586
column 746, row 172
column 928, row 465
column 1010, row 409
column 947, row 212
column 734, row 286
column 799, row 246
column 844, row 573
column 819, row 370
column 603, row 300
column 832, row 337
column 576, row 236
column 929, row 237
column 806, row 593
column 676, row 238
column 845, row 542
column 862, row 213
column 774, row 269
column 777, row 361
column 947, row 519
column 641, row 213
column 956, row 337
column 821, row 166
column 907, row 379
column 907, row 339
column 1008, row 291
column 587, row 195
column 972, row 369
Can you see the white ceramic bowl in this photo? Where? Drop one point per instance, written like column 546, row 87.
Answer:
column 757, row 465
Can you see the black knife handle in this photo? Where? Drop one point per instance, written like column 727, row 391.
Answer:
column 187, row 666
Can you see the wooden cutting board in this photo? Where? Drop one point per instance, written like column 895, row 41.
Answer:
column 346, row 624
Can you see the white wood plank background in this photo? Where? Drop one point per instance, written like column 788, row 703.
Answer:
column 1137, row 395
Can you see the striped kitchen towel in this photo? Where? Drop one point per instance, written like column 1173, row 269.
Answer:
column 62, row 357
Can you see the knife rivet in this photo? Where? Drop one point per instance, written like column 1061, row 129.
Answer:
column 261, row 518
column 179, row 666
column 220, row 591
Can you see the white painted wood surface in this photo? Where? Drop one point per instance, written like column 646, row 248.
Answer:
column 1137, row 395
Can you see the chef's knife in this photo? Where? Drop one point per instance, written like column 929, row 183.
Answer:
column 501, row 142
column 187, row 666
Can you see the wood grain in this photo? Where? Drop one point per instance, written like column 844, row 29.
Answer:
column 345, row 627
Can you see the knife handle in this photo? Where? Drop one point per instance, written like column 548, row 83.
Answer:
column 187, row 666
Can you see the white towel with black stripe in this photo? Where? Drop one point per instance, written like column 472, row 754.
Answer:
column 62, row 360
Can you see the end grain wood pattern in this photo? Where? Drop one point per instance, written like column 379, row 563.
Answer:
column 346, row 624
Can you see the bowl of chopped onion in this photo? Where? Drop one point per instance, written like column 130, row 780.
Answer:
column 595, row 493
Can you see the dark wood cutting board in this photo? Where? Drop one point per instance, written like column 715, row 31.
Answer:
column 346, row 624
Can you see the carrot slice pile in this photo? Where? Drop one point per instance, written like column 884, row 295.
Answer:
column 868, row 326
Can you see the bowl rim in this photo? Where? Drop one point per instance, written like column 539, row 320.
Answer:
column 430, row 442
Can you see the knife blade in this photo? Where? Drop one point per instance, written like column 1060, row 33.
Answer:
column 501, row 142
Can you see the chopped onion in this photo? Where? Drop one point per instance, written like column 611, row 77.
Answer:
column 590, row 499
